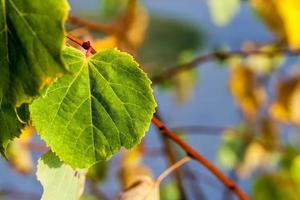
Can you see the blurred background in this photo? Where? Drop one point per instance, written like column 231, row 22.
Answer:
column 238, row 104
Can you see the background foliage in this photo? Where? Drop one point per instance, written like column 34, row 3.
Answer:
column 239, row 108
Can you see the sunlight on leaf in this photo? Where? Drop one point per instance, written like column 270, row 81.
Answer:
column 87, row 116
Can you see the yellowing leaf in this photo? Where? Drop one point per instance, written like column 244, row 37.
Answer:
column 19, row 154
column 282, row 16
column 286, row 107
column 289, row 10
column 248, row 93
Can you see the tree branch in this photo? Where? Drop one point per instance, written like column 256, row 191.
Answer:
column 172, row 71
column 198, row 157
column 94, row 26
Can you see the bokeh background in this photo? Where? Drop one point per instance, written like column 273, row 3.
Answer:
column 221, row 107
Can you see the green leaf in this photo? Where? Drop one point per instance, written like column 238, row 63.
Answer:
column 86, row 117
column 111, row 9
column 59, row 180
column 31, row 42
column 10, row 125
column 223, row 11
column 166, row 40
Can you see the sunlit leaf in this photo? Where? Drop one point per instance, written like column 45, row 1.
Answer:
column 87, row 116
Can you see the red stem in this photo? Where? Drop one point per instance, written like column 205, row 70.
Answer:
column 198, row 157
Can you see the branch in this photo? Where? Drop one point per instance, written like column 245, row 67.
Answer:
column 172, row 71
column 102, row 28
column 198, row 157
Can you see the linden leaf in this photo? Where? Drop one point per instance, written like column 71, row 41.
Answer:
column 31, row 38
column 87, row 117
column 59, row 180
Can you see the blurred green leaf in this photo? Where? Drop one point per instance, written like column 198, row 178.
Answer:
column 222, row 11
column 166, row 39
column 232, row 150
column 111, row 9
column 169, row 191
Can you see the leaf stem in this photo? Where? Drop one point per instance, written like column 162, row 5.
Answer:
column 85, row 45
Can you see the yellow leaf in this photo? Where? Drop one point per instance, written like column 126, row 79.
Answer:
column 282, row 16
column 286, row 107
column 247, row 91
column 289, row 10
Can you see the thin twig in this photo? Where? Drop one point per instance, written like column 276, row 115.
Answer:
column 173, row 167
column 171, row 158
column 102, row 28
column 173, row 70
column 196, row 156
